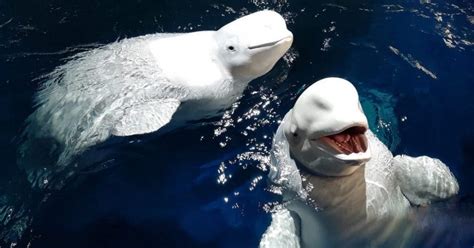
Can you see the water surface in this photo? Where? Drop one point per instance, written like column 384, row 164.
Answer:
column 412, row 62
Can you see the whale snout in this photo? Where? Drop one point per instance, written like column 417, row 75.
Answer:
column 286, row 40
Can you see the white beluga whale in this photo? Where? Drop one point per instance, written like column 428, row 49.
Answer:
column 139, row 85
column 337, row 178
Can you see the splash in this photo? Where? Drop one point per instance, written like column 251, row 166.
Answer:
column 255, row 121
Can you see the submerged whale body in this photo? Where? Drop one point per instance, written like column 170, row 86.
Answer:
column 139, row 85
column 339, row 182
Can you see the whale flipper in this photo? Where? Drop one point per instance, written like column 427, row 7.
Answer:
column 424, row 179
column 282, row 232
column 145, row 117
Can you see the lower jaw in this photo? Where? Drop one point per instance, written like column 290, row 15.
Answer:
column 333, row 167
column 354, row 158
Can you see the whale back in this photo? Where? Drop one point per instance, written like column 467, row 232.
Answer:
column 80, row 100
column 194, row 53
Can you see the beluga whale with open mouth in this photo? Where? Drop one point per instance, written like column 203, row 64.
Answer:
column 338, row 179
column 139, row 85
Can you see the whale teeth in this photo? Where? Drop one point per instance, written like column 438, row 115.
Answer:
column 342, row 138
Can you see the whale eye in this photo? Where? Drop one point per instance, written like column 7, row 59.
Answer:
column 231, row 48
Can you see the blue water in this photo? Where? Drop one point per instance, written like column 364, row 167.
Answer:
column 412, row 62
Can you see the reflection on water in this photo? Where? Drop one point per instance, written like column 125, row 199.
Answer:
column 379, row 109
column 411, row 61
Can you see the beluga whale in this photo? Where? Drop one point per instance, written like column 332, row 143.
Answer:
column 338, row 181
column 147, row 83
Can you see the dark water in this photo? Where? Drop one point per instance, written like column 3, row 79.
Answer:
column 412, row 62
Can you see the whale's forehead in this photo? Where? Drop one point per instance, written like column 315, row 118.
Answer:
column 330, row 94
column 256, row 28
column 265, row 18
column 328, row 106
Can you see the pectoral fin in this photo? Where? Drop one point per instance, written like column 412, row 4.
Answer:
column 424, row 179
column 145, row 117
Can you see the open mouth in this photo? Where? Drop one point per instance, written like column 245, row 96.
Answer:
column 351, row 140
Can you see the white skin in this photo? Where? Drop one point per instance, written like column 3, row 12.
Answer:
column 351, row 174
column 141, row 84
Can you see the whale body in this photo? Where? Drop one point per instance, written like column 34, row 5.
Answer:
column 339, row 180
column 142, row 84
